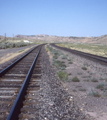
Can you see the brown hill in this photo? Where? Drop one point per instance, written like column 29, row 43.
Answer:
column 71, row 39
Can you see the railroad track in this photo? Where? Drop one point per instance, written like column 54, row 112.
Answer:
column 19, row 86
column 100, row 59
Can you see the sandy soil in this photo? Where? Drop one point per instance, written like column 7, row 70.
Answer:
column 83, row 91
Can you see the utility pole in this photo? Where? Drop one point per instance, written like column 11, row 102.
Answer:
column 13, row 36
column 5, row 36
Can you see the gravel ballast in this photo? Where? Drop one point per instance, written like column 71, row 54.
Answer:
column 56, row 103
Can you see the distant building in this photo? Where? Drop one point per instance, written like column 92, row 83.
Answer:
column 27, row 41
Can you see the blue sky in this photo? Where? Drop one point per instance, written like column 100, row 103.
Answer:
column 53, row 17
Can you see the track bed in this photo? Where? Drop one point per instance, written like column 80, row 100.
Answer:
column 12, row 81
column 45, row 97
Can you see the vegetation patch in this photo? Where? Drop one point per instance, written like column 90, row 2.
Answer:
column 62, row 75
column 100, row 86
column 94, row 80
column 88, row 48
column 91, row 73
column 94, row 93
column 70, row 74
column 86, row 64
column 47, row 50
column 75, row 79
column 74, row 90
column 64, row 57
column 20, row 51
column 55, row 53
column 59, row 64
column 101, row 78
column 81, row 89
column 5, row 45
column 79, row 73
column 86, row 76
column 70, row 62
column 69, row 59
column 84, row 68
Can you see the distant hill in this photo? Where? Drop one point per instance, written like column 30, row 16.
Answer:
column 57, row 39
column 72, row 39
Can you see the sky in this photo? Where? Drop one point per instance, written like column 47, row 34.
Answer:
column 53, row 17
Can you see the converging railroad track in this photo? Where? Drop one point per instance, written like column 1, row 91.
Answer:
column 100, row 59
column 30, row 90
column 19, row 84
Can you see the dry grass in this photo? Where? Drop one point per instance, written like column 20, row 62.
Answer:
column 10, row 56
column 47, row 50
column 100, row 50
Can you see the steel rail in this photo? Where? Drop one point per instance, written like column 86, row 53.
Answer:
column 88, row 55
column 2, row 72
column 13, row 115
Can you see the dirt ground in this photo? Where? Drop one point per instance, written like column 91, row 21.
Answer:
column 7, row 56
column 91, row 100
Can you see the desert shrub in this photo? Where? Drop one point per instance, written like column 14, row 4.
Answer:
column 79, row 73
column 70, row 62
column 50, row 48
column 101, row 78
column 86, row 64
column 20, row 51
column 54, row 52
column 100, row 86
column 94, row 93
column 74, row 90
column 64, row 57
column 56, row 55
column 94, row 80
column 82, row 89
column 86, row 76
column 62, row 75
column 69, row 73
column 70, row 59
column 84, row 68
column 5, row 45
column 47, row 50
column 75, row 79
column 59, row 64
column 20, row 44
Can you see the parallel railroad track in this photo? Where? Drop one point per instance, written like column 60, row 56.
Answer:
column 19, row 84
column 100, row 59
